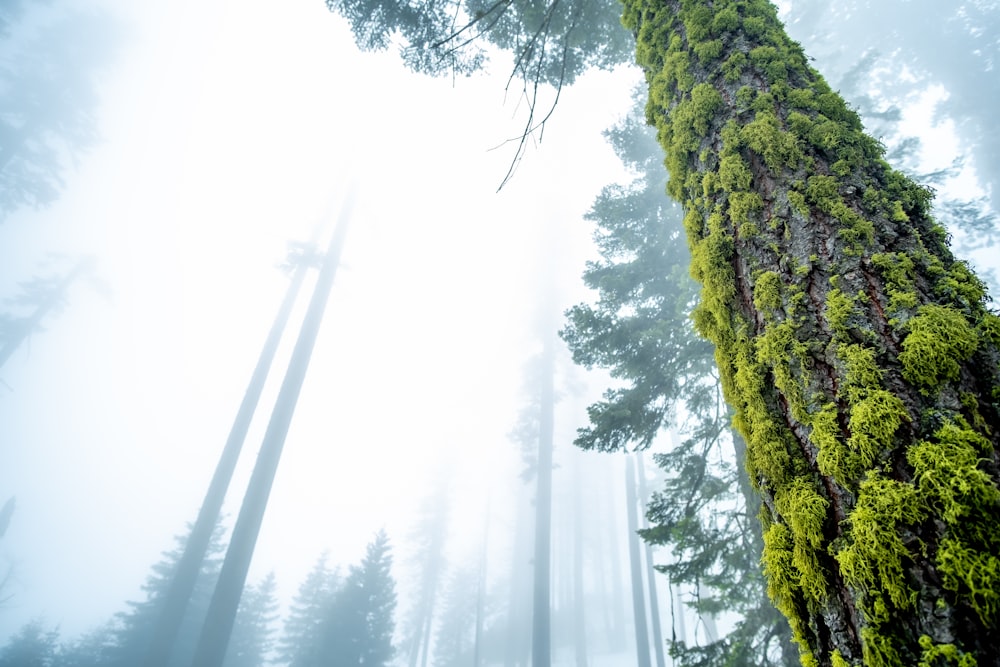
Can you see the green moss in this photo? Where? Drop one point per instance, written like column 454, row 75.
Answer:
column 744, row 204
column 798, row 202
column 725, row 20
column 708, row 51
column 874, row 422
column 733, row 69
column 940, row 339
column 878, row 650
column 805, row 510
column 765, row 136
column 947, row 473
column 839, row 309
column 837, row 660
column 734, row 174
column 799, row 123
column 767, row 291
column 874, row 558
column 974, row 575
column 942, row 655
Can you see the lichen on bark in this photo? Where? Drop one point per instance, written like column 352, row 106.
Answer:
column 857, row 352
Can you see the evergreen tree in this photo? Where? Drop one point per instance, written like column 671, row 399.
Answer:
column 252, row 640
column 856, row 352
column 359, row 625
column 301, row 634
column 454, row 642
column 47, row 115
column 31, row 646
column 639, row 329
column 428, row 542
column 135, row 627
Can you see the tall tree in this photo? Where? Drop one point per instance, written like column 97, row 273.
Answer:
column 856, row 351
column 428, row 541
column 178, row 595
column 359, row 626
column 253, row 632
column 541, row 631
column 301, row 633
column 134, row 628
column 225, row 600
column 639, row 618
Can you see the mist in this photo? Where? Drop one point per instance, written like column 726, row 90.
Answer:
column 169, row 168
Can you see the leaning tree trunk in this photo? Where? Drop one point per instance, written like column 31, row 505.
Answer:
column 175, row 602
column 215, row 633
column 856, row 351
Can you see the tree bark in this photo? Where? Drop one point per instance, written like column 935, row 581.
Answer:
column 857, row 352
column 218, row 625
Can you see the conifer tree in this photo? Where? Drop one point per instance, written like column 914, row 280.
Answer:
column 639, row 329
column 359, row 625
column 31, row 646
column 252, row 640
column 301, row 633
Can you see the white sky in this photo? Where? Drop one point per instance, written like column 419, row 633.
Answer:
column 229, row 127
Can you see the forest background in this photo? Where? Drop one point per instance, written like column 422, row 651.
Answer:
column 226, row 131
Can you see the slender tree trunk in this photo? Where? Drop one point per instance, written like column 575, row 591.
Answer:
column 857, row 352
column 222, row 610
column 481, row 589
column 654, row 603
column 541, row 650
column 618, row 636
column 638, row 599
column 579, row 596
column 178, row 595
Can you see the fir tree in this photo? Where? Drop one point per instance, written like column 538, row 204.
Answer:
column 639, row 329
column 359, row 625
column 251, row 643
column 301, row 634
column 31, row 646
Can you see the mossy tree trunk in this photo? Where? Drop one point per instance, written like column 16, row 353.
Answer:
column 856, row 351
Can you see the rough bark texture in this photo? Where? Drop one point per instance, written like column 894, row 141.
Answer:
column 857, row 352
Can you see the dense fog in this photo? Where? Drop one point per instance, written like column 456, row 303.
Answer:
column 192, row 157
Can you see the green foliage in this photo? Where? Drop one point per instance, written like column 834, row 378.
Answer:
column 553, row 43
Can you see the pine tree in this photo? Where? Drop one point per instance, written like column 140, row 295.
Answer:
column 301, row 634
column 31, row 646
column 252, row 640
column 135, row 627
column 359, row 625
